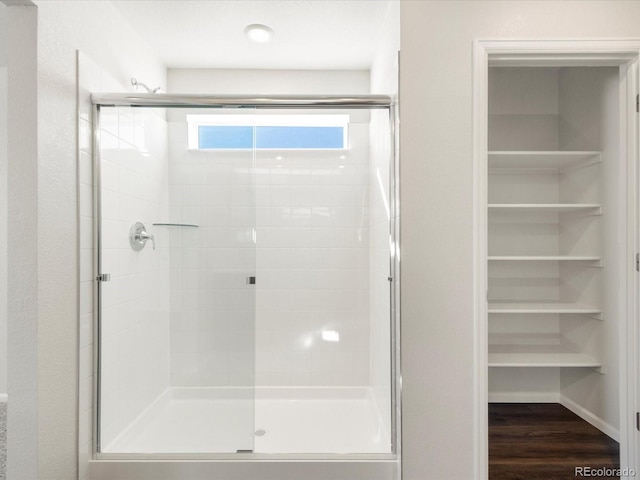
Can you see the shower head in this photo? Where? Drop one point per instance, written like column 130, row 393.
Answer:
column 137, row 84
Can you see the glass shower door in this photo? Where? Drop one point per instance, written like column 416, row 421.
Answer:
column 176, row 230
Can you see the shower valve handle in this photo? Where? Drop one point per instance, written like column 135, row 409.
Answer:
column 138, row 237
column 144, row 236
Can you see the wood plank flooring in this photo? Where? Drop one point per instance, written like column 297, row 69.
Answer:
column 545, row 441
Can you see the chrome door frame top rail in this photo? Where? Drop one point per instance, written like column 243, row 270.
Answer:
column 167, row 100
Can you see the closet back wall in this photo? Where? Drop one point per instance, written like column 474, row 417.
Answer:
column 524, row 115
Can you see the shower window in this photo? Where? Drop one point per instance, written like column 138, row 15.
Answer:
column 234, row 132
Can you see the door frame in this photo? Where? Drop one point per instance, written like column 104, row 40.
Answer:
column 607, row 52
column 373, row 466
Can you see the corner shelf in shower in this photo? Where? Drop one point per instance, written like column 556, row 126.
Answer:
column 188, row 225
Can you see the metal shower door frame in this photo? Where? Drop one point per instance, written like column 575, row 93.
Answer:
column 150, row 100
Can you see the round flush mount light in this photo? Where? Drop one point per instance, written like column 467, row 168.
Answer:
column 258, row 33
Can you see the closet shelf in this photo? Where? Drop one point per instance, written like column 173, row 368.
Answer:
column 526, row 356
column 594, row 208
column 544, row 258
column 557, row 160
column 542, row 307
column 542, row 359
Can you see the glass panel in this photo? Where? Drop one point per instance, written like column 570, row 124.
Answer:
column 177, row 322
column 323, row 315
column 261, row 321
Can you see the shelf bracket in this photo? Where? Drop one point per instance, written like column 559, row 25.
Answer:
column 602, row 370
column 596, row 316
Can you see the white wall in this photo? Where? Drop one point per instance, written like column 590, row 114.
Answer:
column 97, row 29
column 594, row 125
column 437, row 207
column 3, row 201
column 283, row 82
column 22, row 228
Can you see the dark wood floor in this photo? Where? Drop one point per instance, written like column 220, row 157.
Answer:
column 545, row 441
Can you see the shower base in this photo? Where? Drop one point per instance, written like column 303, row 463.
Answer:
column 275, row 420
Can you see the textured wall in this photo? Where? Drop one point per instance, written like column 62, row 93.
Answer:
column 3, row 200
column 22, row 228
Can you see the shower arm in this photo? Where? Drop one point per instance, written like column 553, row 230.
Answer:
column 137, row 84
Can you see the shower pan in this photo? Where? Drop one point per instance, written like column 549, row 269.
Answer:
column 247, row 269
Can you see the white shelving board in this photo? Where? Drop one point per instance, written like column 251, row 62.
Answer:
column 527, row 356
column 542, row 307
column 544, row 258
column 546, row 207
column 558, row 160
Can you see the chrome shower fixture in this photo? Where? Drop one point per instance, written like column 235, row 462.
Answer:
column 138, row 84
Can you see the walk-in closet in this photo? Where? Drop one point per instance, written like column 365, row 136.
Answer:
column 556, row 239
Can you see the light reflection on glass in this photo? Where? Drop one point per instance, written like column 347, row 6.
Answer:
column 330, row 336
column 383, row 194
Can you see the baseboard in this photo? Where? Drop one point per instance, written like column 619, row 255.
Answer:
column 4, row 398
column 524, row 397
column 589, row 417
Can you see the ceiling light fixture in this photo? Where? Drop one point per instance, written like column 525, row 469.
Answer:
column 258, row 33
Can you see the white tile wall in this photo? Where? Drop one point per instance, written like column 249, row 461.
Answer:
column 212, row 306
column 313, row 265
column 135, row 315
column 311, row 213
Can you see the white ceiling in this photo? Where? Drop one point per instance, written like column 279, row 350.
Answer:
column 309, row 34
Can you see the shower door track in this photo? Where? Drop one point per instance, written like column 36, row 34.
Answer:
column 165, row 100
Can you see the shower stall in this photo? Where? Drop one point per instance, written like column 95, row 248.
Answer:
column 246, row 261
